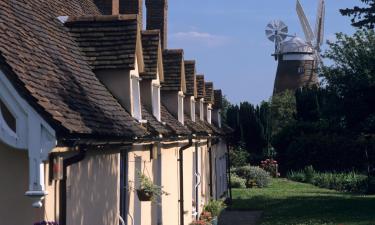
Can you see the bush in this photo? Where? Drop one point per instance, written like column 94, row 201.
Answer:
column 271, row 167
column 237, row 182
column 254, row 175
column 239, row 157
column 214, row 207
column 345, row 182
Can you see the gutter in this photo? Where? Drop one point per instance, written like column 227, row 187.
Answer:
column 181, row 169
column 68, row 162
column 209, row 145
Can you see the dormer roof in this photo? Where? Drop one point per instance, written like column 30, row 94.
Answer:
column 209, row 97
column 173, row 123
column 174, row 70
column 201, row 91
column 190, row 76
column 108, row 41
column 218, row 97
column 48, row 69
column 152, row 55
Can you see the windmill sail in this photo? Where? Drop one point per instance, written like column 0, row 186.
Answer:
column 305, row 23
column 319, row 27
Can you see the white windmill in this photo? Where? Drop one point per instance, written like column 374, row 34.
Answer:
column 298, row 59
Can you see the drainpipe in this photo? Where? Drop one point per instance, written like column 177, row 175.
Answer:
column 181, row 161
column 210, row 165
column 229, row 183
column 68, row 162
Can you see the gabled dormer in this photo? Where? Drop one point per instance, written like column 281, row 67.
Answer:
column 174, row 86
column 153, row 73
column 208, row 101
column 113, row 47
column 201, row 93
column 191, row 89
column 217, row 107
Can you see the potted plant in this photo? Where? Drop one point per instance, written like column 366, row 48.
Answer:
column 214, row 207
column 199, row 222
column 147, row 190
column 46, row 223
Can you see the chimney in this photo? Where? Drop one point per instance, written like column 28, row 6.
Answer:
column 132, row 7
column 157, row 13
column 108, row 7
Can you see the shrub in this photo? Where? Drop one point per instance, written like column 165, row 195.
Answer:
column 215, row 207
column 254, row 174
column 309, row 174
column 237, row 182
column 239, row 157
column 297, row 176
column 271, row 167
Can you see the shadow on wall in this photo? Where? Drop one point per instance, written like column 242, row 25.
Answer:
column 93, row 190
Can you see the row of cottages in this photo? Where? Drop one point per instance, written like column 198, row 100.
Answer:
column 88, row 102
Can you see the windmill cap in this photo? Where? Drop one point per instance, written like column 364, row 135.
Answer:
column 295, row 45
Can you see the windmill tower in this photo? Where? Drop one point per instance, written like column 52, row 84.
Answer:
column 298, row 59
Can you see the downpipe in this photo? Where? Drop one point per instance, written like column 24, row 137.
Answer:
column 181, row 170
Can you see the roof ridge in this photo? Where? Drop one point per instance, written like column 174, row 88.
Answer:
column 102, row 18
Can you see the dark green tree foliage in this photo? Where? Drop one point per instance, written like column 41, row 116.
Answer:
column 362, row 17
column 307, row 104
column 233, row 120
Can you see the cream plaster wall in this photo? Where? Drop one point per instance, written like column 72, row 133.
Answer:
column 93, row 190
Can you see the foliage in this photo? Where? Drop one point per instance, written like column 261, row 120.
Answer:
column 237, row 182
column 346, row 182
column 283, row 110
column 285, row 202
column 200, row 222
column 215, row 207
column 147, row 186
column 239, row 157
column 46, row 223
column 271, row 167
column 206, row 216
column 362, row 16
column 254, row 174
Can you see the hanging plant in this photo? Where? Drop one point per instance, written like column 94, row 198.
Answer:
column 147, row 190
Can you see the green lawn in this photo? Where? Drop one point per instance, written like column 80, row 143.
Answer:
column 290, row 203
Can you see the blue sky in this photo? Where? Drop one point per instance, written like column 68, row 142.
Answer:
column 227, row 39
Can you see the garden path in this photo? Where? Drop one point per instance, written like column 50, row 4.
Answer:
column 240, row 217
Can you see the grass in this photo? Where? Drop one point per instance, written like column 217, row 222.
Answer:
column 291, row 203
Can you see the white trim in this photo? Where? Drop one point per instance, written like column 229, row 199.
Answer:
column 298, row 57
column 181, row 107
column 32, row 134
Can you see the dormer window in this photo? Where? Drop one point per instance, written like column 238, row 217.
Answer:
column 181, row 107
column 7, row 120
column 156, row 101
column 209, row 111
column 136, row 97
column 192, row 108
column 201, row 109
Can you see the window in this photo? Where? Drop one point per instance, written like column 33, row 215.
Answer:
column 201, row 109
column 209, row 114
column 7, row 118
column 192, row 108
column 156, row 101
column 181, row 107
column 136, row 109
column 301, row 69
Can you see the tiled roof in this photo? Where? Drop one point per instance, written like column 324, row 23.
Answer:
column 47, row 68
column 152, row 54
column 191, row 82
column 153, row 125
column 195, row 127
column 218, row 97
column 108, row 42
column 209, row 97
column 174, row 70
column 201, row 92
column 173, row 123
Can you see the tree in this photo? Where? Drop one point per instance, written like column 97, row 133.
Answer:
column 283, row 110
column 352, row 77
column 362, row 17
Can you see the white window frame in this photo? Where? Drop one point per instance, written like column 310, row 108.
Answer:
column 201, row 109
column 209, row 114
column 156, row 101
column 192, row 108
column 136, row 97
column 181, row 107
